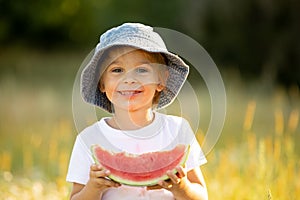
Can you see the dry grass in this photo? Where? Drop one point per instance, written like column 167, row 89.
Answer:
column 257, row 156
column 262, row 166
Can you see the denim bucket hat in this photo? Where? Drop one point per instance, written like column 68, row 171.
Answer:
column 138, row 36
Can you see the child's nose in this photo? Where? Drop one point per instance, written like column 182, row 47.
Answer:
column 129, row 78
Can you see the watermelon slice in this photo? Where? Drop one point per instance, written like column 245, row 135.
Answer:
column 140, row 170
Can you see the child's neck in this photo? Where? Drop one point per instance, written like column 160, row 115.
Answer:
column 125, row 120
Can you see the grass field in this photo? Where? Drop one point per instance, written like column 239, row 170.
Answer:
column 256, row 157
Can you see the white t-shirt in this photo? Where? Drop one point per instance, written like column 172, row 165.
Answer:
column 164, row 133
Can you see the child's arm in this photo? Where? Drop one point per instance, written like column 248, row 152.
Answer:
column 95, row 187
column 185, row 185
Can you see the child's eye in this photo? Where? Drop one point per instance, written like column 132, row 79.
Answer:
column 141, row 70
column 117, row 70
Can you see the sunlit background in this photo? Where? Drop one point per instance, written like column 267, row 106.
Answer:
column 255, row 44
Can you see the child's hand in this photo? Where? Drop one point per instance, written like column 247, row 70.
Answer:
column 176, row 183
column 99, row 178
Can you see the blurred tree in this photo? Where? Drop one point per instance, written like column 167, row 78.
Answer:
column 256, row 36
column 259, row 37
column 52, row 22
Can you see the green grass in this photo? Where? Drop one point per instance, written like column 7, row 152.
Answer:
column 256, row 157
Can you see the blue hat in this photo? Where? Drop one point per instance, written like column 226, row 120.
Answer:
column 138, row 36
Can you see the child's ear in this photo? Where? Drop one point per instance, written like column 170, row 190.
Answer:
column 101, row 86
column 163, row 81
column 160, row 87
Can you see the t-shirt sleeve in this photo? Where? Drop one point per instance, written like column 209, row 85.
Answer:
column 196, row 156
column 80, row 162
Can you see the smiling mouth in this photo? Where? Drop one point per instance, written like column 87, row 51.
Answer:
column 129, row 92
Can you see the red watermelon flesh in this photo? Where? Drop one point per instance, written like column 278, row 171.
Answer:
column 140, row 170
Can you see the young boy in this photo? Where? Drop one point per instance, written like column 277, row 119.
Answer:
column 130, row 75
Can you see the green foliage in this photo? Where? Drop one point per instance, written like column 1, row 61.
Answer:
column 257, row 37
column 260, row 37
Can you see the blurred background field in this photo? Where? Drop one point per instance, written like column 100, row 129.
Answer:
column 255, row 44
column 256, row 157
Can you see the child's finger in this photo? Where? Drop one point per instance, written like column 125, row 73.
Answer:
column 154, row 187
column 173, row 177
column 95, row 167
column 97, row 171
column 165, row 184
column 107, row 182
column 181, row 171
column 101, row 173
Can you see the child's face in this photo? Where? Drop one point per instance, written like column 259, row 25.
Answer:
column 131, row 80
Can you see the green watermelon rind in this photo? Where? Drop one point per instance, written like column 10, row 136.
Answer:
column 147, row 182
